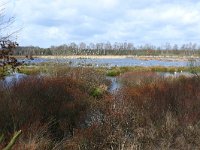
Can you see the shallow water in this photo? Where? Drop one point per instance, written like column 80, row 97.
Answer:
column 15, row 77
column 175, row 74
column 115, row 83
column 111, row 62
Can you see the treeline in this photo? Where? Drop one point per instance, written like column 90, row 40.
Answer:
column 112, row 49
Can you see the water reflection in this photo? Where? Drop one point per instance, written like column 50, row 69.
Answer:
column 115, row 83
column 110, row 62
column 175, row 74
column 15, row 77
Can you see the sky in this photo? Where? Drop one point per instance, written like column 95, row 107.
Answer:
column 54, row 22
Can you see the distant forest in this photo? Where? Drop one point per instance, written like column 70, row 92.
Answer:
column 190, row 49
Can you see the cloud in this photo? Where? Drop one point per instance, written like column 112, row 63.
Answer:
column 49, row 22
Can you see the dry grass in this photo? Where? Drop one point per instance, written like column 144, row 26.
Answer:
column 147, row 112
column 155, row 114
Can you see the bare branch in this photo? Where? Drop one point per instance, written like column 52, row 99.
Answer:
column 6, row 23
column 11, row 34
column 6, row 45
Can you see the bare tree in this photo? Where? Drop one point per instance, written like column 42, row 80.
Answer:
column 6, row 45
column 5, row 23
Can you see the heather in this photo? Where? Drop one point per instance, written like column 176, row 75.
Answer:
column 73, row 108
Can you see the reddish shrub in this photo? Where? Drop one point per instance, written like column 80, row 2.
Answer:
column 41, row 99
column 156, row 97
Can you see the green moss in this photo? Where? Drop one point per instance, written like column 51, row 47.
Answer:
column 168, row 69
column 159, row 69
column 194, row 69
column 30, row 70
column 3, row 73
column 113, row 73
column 97, row 92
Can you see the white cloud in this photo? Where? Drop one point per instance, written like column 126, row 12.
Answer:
column 48, row 22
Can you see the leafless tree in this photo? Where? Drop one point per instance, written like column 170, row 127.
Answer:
column 5, row 23
column 6, row 45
